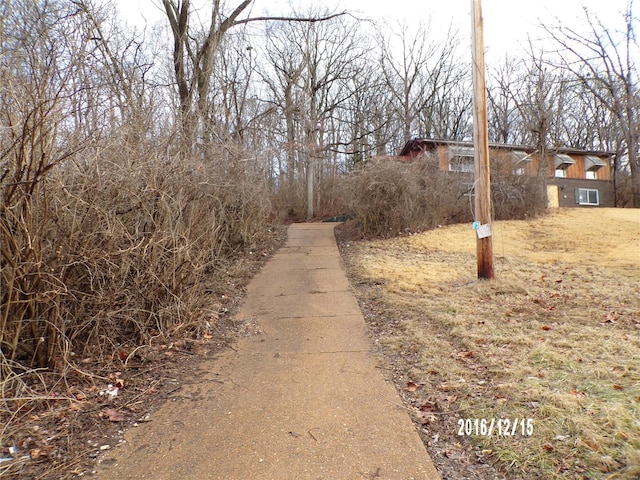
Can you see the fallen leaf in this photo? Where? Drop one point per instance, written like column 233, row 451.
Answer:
column 411, row 387
column 114, row 415
column 465, row 354
column 424, row 417
column 448, row 386
column 592, row 445
column 427, row 406
column 36, row 453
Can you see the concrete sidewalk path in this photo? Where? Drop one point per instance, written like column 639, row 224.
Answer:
column 301, row 397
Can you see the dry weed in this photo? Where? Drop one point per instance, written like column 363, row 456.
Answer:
column 388, row 197
column 109, row 255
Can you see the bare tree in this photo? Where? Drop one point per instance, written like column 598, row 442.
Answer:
column 604, row 61
column 314, row 64
column 282, row 72
column 538, row 96
column 586, row 123
column 503, row 110
column 194, row 55
column 423, row 77
column 368, row 126
column 121, row 65
column 404, row 76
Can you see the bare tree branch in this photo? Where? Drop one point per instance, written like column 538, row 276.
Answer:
column 291, row 19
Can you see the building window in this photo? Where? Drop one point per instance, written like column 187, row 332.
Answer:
column 462, row 164
column 461, row 159
column 561, row 163
column 592, row 164
column 520, row 161
column 587, row 196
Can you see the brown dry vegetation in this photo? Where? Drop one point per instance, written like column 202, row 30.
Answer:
column 388, row 197
column 121, row 239
column 113, row 259
column 555, row 338
column 121, row 251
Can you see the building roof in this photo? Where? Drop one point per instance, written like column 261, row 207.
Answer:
column 419, row 144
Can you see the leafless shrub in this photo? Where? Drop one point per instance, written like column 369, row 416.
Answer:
column 624, row 190
column 387, row 197
column 127, row 243
column 330, row 200
column 515, row 197
column 107, row 230
column 36, row 85
column 117, row 251
column 95, row 210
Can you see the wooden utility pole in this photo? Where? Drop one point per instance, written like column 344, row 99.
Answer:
column 481, row 143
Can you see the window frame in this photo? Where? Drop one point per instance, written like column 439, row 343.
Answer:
column 462, row 159
column 465, row 164
column 586, row 194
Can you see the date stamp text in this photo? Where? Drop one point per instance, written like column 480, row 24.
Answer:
column 502, row 427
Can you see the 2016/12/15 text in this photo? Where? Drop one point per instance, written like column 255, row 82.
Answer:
column 503, row 427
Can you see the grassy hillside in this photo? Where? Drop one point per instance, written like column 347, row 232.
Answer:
column 555, row 339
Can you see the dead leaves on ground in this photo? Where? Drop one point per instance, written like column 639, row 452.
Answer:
column 42, row 432
column 113, row 415
column 411, row 387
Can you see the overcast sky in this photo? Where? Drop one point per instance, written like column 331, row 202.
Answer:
column 507, row 23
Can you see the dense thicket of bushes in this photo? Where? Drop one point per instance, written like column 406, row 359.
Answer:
column 387, row 197
column 516, row 197
column 110, row 249
column 112, row 210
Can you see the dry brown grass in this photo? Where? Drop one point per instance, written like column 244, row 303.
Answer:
column 555, row 338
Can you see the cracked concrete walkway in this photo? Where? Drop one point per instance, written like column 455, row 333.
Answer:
column 299, row 398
